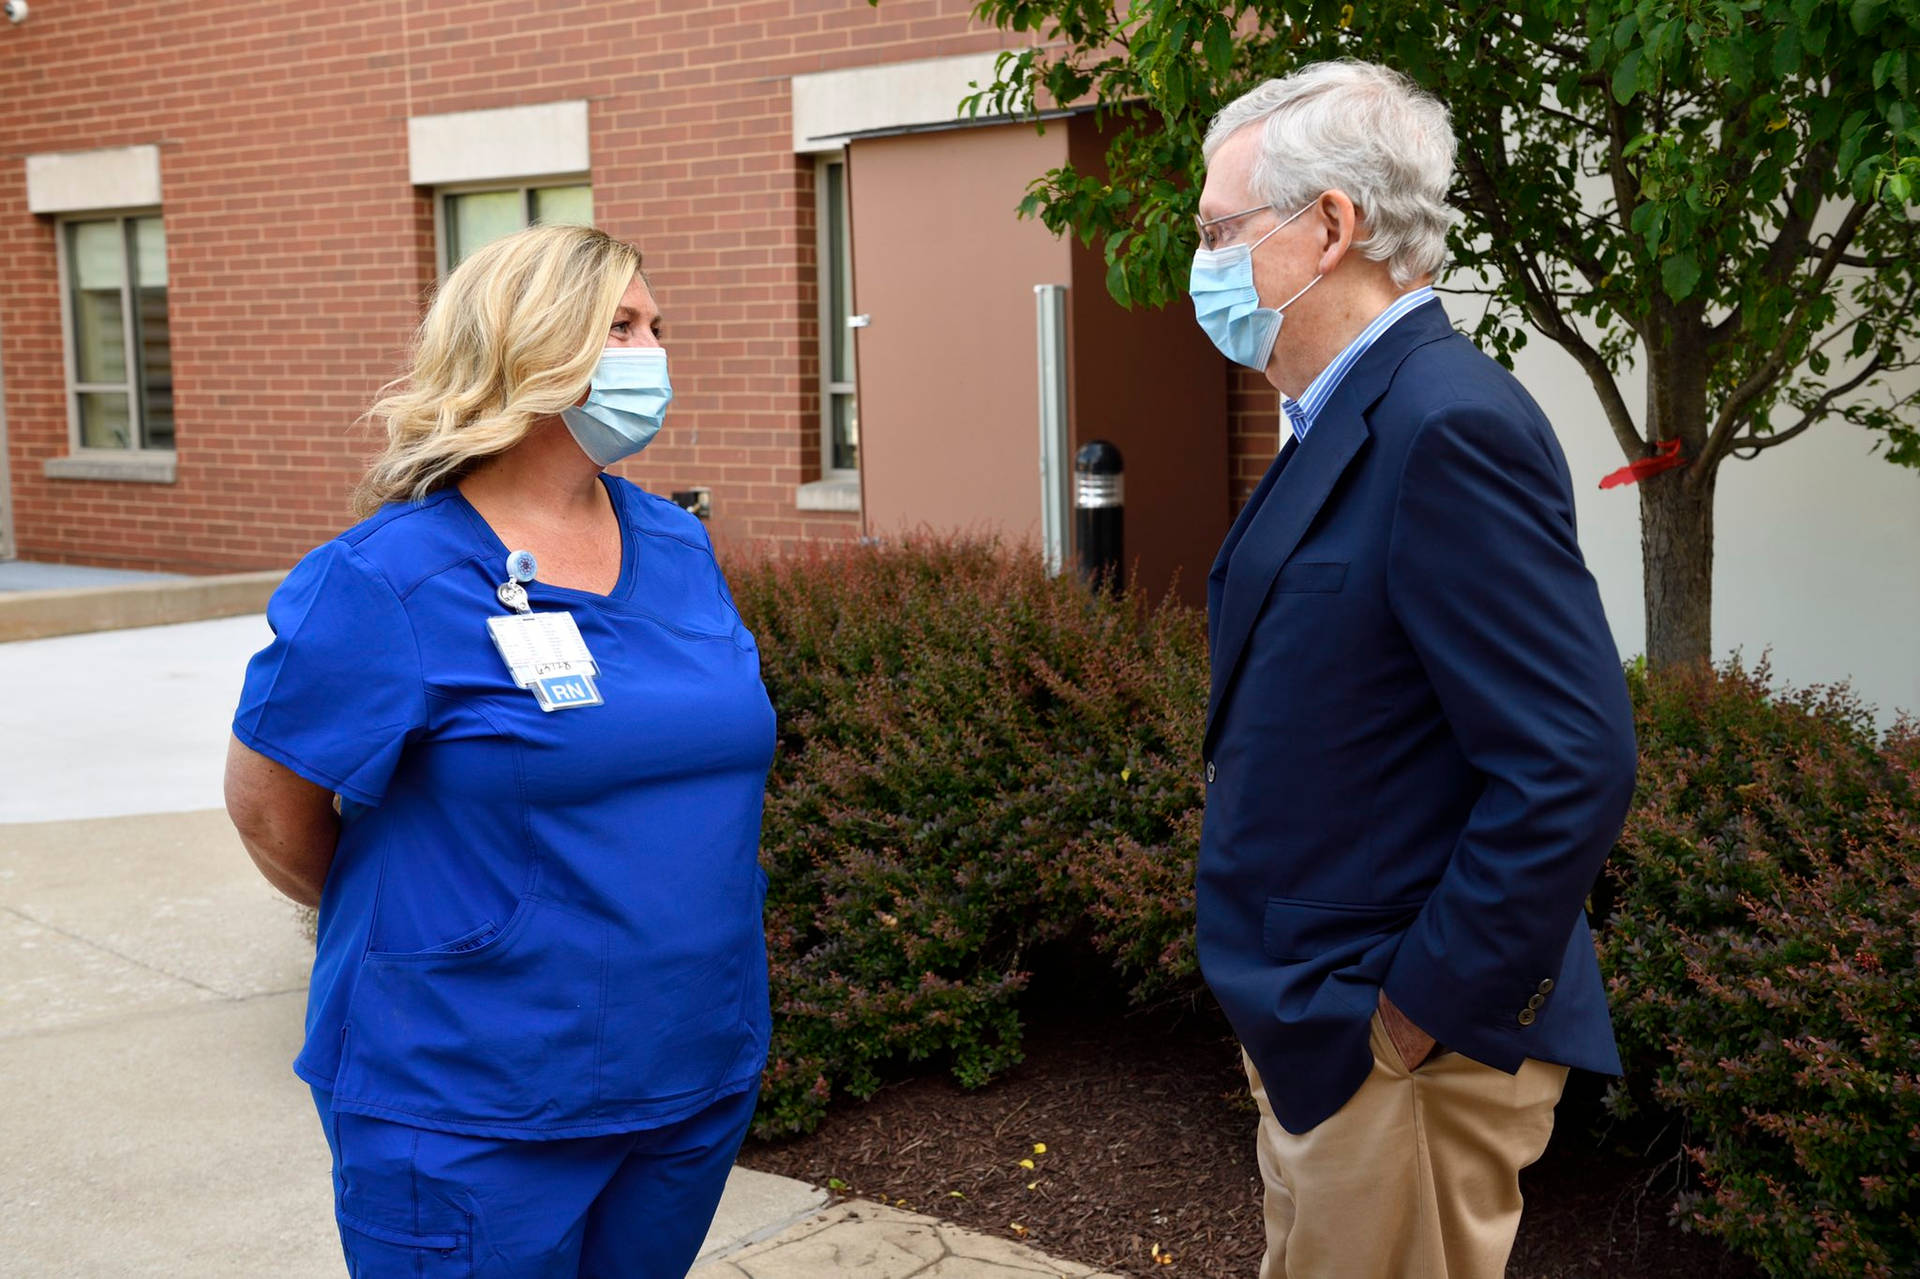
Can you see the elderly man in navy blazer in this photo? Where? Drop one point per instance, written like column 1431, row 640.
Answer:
column 1419, row 745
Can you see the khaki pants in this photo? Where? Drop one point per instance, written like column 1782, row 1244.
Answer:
column 1416, row 1177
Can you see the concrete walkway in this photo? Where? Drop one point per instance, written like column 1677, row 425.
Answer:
column 27, row 575
column 151, row 995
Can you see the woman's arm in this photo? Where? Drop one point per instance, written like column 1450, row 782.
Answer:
column 287, row 823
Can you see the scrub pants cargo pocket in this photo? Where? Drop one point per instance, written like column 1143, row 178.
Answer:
column 376, row 1252
column 397, row 1219
column 419, row 1204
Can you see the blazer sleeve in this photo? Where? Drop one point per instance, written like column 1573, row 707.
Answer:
column 1486, row 579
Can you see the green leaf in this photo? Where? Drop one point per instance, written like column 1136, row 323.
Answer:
column 1862, row 339
column 1567, row 89
column 1866, row 15
column 1626, row 78
column 1823, row 119
column 1678, row 275
column 1899, row 188
column 1219, row 44
column 1174, row 95
column 1786, row 53
column 1117, row 283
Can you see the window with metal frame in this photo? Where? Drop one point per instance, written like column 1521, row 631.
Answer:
column 839, row 411
column 119, row 352
column 469, row 219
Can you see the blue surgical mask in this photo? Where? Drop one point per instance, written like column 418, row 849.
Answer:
column 625, row 405
column 1227, row 304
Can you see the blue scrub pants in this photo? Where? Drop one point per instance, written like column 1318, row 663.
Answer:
column 418, row 1204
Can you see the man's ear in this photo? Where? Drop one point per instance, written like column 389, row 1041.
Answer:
column 1340, row 223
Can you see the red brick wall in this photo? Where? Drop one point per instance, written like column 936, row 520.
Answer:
column 298, row 252
column 1253, row 431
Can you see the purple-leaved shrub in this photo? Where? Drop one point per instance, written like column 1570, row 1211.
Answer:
column 978, row 762
column 1762, row 948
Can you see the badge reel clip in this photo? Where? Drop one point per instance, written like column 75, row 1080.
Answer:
column 543, row 651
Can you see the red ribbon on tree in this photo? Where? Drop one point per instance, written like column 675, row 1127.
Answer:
column 1666, row 459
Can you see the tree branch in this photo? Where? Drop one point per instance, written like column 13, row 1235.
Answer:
column 1789, row 247
column 1542, row 309
column 1626, row 190
column 1774, row 362
column 1754, row 445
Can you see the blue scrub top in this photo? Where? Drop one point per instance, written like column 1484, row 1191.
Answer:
column 537, row 924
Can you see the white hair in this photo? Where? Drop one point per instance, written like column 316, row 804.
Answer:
column 1362, row 129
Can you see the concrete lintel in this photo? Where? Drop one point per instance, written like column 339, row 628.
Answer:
column 543, row 140
column 829, row 106
column 38, row 614
column 146, row 467
column 837, row 494
column 83, row 181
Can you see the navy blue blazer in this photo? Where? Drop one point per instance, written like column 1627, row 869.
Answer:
column 1419, row 743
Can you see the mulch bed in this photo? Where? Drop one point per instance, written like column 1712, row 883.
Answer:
column 1149, row 1153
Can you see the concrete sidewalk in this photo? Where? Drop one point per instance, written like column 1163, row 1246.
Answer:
column 152, row 989
column 29, row 575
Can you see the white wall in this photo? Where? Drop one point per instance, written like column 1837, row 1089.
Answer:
column 1817, row 543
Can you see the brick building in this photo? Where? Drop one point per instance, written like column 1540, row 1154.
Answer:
column 218, row 222
column 219, row 219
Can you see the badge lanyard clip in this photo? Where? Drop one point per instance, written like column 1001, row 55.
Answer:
column 544, row 651
column 521, row 567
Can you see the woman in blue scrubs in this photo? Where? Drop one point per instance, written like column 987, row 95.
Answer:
column 538, row 1013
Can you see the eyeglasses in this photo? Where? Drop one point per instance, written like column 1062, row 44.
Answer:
column 1209, row 239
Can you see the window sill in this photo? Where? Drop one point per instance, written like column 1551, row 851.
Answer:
column 838, row 494
column 152, row 467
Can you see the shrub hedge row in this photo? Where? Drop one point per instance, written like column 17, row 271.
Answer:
column 977, row 761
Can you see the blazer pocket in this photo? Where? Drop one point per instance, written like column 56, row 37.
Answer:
column 1312, row 578
column 1295, row 931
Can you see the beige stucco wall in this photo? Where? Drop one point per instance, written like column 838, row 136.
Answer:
column 1817, row 543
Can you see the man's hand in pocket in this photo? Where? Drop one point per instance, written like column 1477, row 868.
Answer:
column 1412, row 1043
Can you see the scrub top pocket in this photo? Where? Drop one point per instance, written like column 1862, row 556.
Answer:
column 509, row 1027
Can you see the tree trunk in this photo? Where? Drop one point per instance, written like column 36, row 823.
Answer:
column 1676, row 552
column 1676, row 507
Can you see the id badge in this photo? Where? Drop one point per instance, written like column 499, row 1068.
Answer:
column 546, row 655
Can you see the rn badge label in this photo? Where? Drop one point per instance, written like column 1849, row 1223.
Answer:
column 564, row 692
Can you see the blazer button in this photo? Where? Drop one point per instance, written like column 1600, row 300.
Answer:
column 1526, row 1016
column 1546, row 986
column 1535, row 1001
column 1209, row 772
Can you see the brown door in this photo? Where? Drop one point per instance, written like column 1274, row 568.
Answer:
column 944, row 273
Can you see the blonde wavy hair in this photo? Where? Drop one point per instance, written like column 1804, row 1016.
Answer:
column 513, row 336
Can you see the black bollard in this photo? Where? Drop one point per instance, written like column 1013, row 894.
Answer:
column 1099, row 493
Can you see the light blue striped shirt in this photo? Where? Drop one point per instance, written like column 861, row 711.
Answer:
column 1303, row 412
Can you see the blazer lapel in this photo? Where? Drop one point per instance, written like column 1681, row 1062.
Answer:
column 1273, row 530
column 1217, row 575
